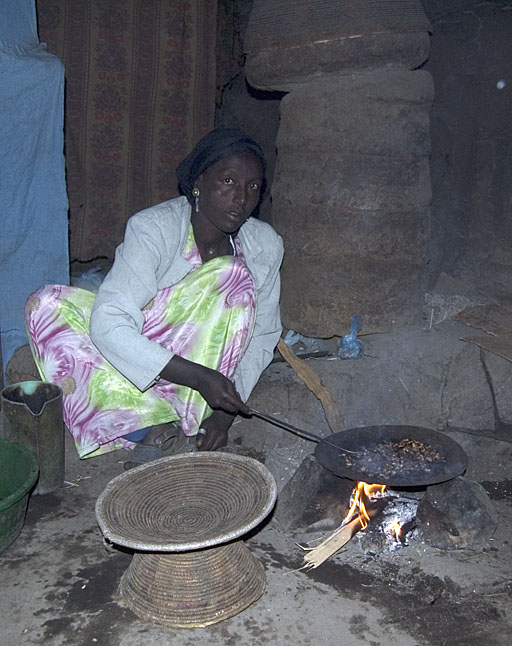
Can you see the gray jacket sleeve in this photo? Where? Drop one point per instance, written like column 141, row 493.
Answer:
column 117, row 318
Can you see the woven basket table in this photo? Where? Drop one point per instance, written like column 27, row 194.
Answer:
column 185, row 516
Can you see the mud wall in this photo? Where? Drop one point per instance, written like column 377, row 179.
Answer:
column 471, row 134
column 471, row 138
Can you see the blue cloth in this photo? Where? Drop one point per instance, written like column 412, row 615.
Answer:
column 137, row 436
column 18, row 22
column 33, row 199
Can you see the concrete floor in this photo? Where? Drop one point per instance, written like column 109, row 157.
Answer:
column 59, row 580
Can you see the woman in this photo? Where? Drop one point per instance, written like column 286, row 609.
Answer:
column 184, row 323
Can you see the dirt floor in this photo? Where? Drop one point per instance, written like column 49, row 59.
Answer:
column 59, row 580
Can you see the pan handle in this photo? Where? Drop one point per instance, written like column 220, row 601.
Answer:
column 289, row 427
column 300, row 432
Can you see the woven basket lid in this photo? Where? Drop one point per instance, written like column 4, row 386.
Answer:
column 186, row 502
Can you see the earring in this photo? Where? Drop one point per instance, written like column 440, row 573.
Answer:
column 195, row 193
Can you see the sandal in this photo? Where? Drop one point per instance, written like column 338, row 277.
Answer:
column 161, row 441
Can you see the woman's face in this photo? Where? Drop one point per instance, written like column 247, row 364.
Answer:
column 229, row 191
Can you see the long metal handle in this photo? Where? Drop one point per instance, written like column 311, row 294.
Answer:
column 298, row 431
column 289, row 427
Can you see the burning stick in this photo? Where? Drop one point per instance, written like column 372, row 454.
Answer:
column 366, row 511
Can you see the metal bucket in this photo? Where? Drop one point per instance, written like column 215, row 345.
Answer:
column 32, row 416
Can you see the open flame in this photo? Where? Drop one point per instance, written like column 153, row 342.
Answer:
column 365, row 505
column 357, row 519
column 363, row 493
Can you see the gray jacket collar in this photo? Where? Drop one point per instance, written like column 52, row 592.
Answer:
column 251, row 248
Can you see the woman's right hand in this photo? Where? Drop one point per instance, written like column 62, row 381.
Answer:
column 220, row 392
column 217, row 390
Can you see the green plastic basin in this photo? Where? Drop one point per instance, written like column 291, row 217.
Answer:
column 18, row 475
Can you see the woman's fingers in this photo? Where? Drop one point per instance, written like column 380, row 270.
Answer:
column 220, row 392
column 212, row 440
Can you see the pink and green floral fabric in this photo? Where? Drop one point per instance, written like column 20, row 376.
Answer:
column 207, row 318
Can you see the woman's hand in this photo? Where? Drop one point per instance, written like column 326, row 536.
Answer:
column 213, row 433
column 218, row 391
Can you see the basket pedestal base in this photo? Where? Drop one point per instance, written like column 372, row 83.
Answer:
column 192, row 589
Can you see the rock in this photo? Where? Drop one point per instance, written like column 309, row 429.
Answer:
column 456, row 514
column 21, row 367
column 313, row 498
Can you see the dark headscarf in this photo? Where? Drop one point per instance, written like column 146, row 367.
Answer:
column 216, row 145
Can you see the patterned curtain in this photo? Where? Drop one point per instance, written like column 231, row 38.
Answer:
column 140, row 91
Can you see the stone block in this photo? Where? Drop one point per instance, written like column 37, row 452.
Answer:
column 351, row 198
column 313, row 498
column 362, row 184
column 287, row 69
column 292, row 42
column 362, row 104
column 457, row 514
column 318, row 301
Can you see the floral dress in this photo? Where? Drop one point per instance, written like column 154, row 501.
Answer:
column 207, row 317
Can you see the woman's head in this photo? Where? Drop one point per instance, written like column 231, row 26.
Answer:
column 226, row 194
column 216, row 145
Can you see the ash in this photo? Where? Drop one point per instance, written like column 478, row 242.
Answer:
column 380, row 533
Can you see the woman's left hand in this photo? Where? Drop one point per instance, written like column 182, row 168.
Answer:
column 215, row 431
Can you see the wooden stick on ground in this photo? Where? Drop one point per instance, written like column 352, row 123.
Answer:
column 313, row 382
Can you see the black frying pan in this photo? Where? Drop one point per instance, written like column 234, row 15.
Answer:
column 386, row 454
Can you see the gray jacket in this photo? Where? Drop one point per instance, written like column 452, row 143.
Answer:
column 151, row 258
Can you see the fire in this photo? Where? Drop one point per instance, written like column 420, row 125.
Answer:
column 356, row 520
column 362, row 493
column 397, row 529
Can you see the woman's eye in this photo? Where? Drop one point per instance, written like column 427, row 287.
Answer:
column 255, row 186
column 227, row 180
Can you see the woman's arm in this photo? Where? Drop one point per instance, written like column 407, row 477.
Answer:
column 218, row 391
column 117, row 318
column 220, row 394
